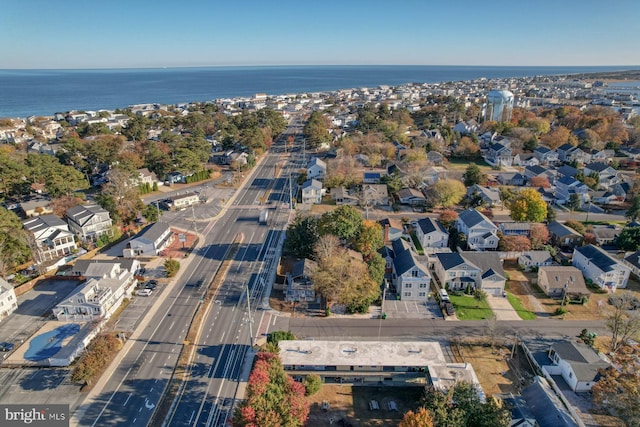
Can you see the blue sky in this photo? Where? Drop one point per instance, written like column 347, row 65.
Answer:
column 142, row 33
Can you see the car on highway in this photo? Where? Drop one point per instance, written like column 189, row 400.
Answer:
column 6, row 346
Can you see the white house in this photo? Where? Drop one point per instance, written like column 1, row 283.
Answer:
column 482, row 270
column 89, row 222
column 481, row 232
column 150, row 241
column 603, row 270
column 577, row 363
column 8, row 301
column 52, row 236
column 431, row 233
column 182, row 201
column 311, row 192
column 316, row 169
column 103, row 292
column 411, row 278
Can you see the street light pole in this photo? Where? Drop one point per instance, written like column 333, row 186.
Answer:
column 249, row 319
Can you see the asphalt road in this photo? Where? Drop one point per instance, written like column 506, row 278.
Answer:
column 135, row 388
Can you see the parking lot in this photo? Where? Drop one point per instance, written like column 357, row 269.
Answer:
column 396, row 309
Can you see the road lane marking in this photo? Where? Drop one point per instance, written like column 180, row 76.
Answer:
column 127, row 401
column 172, row 323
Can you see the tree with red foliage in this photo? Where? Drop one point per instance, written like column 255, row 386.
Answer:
column 539, row 235
column 273, row 397
column 514, row 244
column 540, row 181
column 448, row 217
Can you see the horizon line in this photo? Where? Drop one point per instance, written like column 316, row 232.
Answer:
column 161, row 67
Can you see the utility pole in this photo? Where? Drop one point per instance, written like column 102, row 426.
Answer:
column 249, row 319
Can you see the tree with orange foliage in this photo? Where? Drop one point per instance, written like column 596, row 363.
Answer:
column 539, row 235
column 514, row 244
column 540, row 181
column 448, row 217
column 558, row 136
column 420, row 418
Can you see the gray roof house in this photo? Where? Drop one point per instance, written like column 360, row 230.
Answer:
column 578, row 364
column 566, row 238
column 482, row 270
column 600, row 267
column 481, row 232
column 531, row 259
column 548, row 410
column 411, row 277
column 89, row 222
column 52, row 236
column 311, row 191
column 556, row 280
column 150, row 241
column 431, row 233
column 299, row 286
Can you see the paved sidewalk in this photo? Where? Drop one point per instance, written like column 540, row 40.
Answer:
column 502, row 308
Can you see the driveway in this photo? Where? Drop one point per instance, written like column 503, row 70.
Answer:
column 502, row 308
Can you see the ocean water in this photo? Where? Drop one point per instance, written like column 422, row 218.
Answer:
column 44, row 92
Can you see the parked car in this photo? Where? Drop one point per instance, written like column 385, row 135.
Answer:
column 6, row 346
column 144, row 292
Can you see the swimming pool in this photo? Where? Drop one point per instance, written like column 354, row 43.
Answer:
column 49, row 343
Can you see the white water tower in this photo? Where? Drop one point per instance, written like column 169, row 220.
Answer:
column 499, row 106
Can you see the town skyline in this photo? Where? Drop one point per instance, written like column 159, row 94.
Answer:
column 165, row 34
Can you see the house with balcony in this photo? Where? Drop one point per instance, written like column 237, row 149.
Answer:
column 431, row 234
column 601, row 268
column 526, row 159
column 545, row 155
column 106, row 287
column 8, row 301
column 89, row 222
column 499, row 155
column 410, row 276
column 52, row 236
column 481, row 232
column 151, row 241
column 607, row 176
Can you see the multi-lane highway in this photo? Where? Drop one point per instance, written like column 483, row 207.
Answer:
column 133, row 392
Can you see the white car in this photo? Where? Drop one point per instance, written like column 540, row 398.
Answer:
column 144, row 292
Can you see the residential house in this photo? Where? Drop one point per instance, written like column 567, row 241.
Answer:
column 375, row 194
column 89, row 222
column 537, row 259
column 566, row 170
column 183, row 201
column 316, row 168
column 481, row 270
column 343, row 196
column 600, row 267
column 392, row 229
column 515, row 228
column 411, row 277
column 466, row 128
column 607, row 176
column 299, row 286
column 512, row 178
column 490, row 196
column 150, row 241
column 603, row 197
column 545, row 155
column 605, row 234
column 481, row 232
column 433, row 174
column 528, row 159
column 621, row 190
column 411, row 196
column 104, row 291
column 499, row 155
column 532, row 171
column 8, row 301
column 431, row 234
column 568, row 153
column 86, row 267
column 175, row 177
column 566, row 186
column 604, row 156
column 563, row 237
column 563, row 151
column 52, row 236
column 632, row 260
column 371, row 177
column 548, row 410
column 558, row 281
column 311, row 191
column 144, row 176
column 577, row 363
column 36, row 207
column 435, row 157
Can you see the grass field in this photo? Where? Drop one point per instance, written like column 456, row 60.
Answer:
column 462, row 164
column 468, row 308
column 519, row 308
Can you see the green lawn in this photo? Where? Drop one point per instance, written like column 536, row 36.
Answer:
column 468, row 308
column 519, row 308
column 417, row 244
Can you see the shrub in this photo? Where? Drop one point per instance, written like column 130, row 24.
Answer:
column 312, row 384
column 560, row 311
column 97, row 356
column 171, row 267
column 277, row 336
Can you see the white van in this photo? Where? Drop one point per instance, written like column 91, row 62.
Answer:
column 143, row 292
